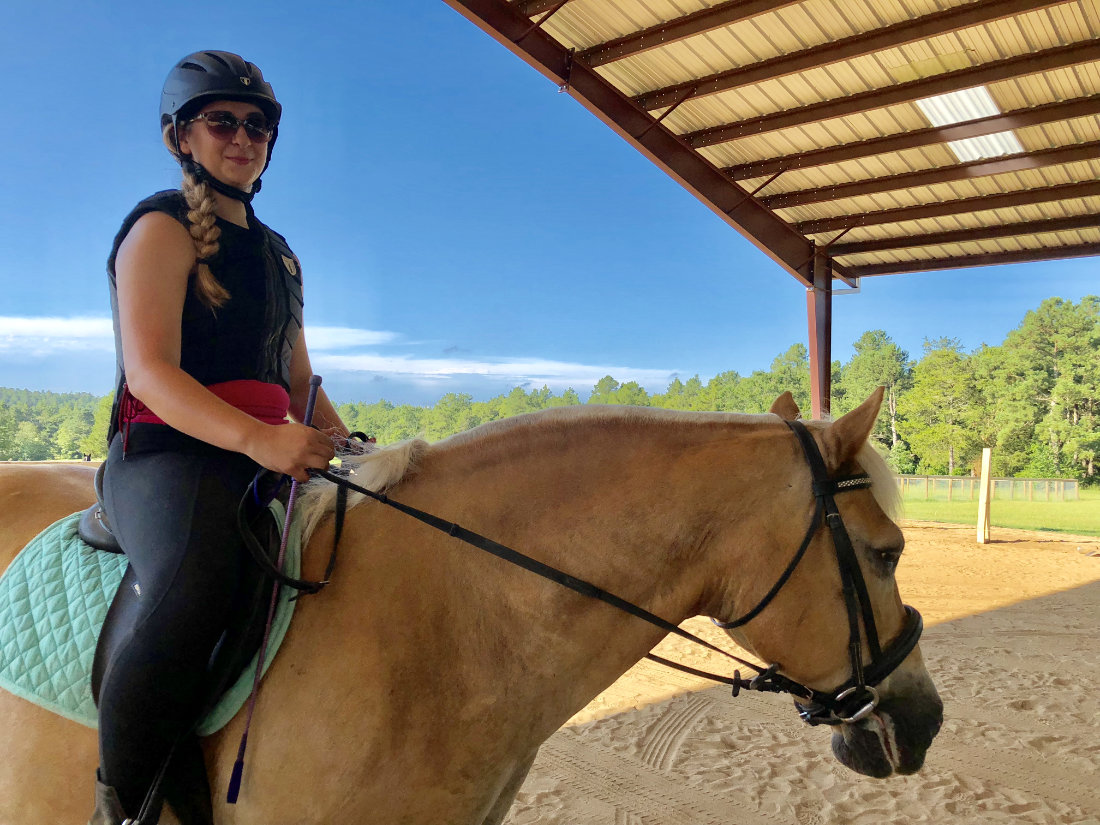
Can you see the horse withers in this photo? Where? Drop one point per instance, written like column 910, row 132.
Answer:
column 419, row 685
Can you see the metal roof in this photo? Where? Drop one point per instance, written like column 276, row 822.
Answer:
column 799, row 122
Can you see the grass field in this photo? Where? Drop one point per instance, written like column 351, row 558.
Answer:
column 1081, row 517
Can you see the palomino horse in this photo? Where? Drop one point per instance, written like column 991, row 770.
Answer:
column 418, row 687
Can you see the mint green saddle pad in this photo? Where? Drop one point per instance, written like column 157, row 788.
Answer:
column 53, row 599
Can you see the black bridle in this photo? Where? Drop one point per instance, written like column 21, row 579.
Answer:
column 856, row 698
column 850, row 702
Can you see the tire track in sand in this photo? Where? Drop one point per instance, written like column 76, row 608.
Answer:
column 664, row 739
column 638, row 791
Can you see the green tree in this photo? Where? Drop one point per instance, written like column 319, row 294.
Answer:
column 1042, row 385
column 72, row 430
column 901, row 459
column 1072, row 426
column 453, row 413
column 568, row 398
column 937, row 412
column 31, row 443
column 403, row 422
column 632, row 394
column 877, row 362
column 790, row 371
column 7, row 433
column 722, row 393
column 609, row 391
column 679, row 396
column 604, row 391
column 95, row 442
column 518, row 402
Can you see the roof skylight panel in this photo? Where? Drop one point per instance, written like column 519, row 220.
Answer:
column 963, row 106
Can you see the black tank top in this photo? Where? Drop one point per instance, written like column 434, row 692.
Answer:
column 252, row 335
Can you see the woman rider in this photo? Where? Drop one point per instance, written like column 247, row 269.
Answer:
column 211, row 359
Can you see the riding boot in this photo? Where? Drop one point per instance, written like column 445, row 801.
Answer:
column 108, row 808
column 186, row 786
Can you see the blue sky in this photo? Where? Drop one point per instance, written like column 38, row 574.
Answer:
column 462, row 226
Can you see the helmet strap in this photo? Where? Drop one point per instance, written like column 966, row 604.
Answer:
column 199, row 173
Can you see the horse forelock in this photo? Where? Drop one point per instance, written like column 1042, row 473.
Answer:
column 884, row 485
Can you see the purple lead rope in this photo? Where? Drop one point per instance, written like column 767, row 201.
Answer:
column 238, row 766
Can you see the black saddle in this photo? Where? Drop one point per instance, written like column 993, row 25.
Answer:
column 186, row 787
column 94, row 528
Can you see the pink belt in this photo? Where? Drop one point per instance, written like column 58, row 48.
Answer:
column 267, row 402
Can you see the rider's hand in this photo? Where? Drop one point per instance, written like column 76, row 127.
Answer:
column 293, row 449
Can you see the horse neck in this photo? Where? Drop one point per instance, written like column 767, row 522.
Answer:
column 621, row 504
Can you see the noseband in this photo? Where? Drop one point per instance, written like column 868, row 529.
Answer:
column 856, row 698
column 850, row 702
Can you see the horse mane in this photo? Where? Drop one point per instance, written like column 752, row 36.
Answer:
column 384, row 467
column 377, row 471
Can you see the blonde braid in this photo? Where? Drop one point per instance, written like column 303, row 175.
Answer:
column 205, row 232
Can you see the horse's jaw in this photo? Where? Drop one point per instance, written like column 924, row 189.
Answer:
column 893, row 739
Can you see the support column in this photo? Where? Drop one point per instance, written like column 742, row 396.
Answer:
column 819, row 311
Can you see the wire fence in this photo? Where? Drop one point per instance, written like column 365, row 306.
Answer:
column 966, row 488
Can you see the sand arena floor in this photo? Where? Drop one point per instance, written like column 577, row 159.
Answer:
column 1010, row 640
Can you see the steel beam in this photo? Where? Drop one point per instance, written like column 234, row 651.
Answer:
column 703, row 179
column 530, row 8
column 1023, row 197
column 1010, row 67
column 943, row 174
column 954, row 236
column 962, row 261
column 908, row 31
column 1018, row 119
column 716, row 17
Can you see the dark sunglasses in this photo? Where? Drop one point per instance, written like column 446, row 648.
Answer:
column 224, row 126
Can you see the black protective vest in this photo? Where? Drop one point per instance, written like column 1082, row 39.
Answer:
column 252, row 335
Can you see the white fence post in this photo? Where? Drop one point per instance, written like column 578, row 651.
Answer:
column 983, row 497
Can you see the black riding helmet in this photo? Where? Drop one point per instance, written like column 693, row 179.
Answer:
column 206, row 76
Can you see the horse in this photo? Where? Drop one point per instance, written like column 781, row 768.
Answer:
column 418, row 687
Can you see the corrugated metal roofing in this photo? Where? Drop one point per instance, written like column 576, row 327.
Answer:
column 797, row 122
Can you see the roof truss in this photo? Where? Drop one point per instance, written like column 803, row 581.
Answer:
column 899, row 34
column 1044, row 53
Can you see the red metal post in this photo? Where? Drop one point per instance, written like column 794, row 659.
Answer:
column 819, row 311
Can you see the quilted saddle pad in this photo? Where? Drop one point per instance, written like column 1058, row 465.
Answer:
column 53, row 599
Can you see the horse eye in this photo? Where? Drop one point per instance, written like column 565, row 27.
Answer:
column 890, row 557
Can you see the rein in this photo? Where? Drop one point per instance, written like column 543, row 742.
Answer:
column 852, row 701
column 765, row 680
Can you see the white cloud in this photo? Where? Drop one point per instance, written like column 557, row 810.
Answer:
column 330, row 338
column 337, row 349
column 556, row 374
column 46, row 335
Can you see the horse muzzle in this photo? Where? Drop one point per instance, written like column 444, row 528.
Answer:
column 892, row 739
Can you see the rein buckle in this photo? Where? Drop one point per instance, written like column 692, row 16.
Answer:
column 763, row 679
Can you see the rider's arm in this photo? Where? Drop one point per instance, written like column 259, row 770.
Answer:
column 152, row 271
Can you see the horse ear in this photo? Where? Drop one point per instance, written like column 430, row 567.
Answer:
column 785, row 407
column 845, row 436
